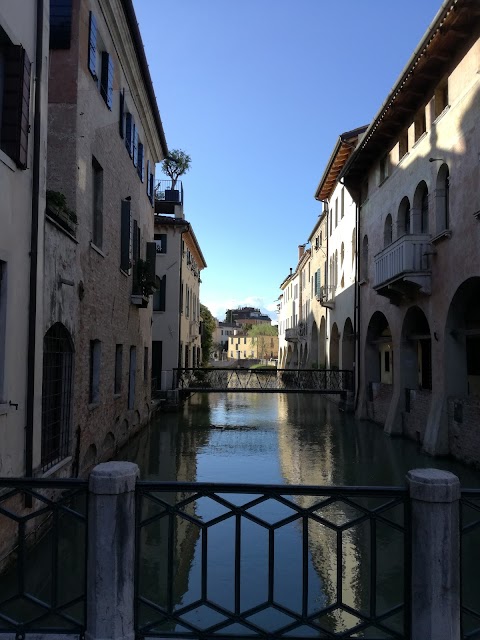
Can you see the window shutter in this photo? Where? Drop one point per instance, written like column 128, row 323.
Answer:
column 136, row 248
column 148, row 178
column 141, row 164
column 151, row 260
column 92, row 46
column 128, row 132
column 151, row 187
column 125, row 236
column 135, row 145
column 121, row 122
column 106, row 82
column 16, row 105
column 163, row 292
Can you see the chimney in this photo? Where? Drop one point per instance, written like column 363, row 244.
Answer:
column 301, row 250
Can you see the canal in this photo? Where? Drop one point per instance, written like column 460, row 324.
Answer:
column 275, row 439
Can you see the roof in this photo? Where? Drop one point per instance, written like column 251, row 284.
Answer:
column 171, row 221
column 142, row 60
column 456, row 23
column 343, row 150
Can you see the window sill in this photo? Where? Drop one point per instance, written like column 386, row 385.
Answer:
column 446, row 234
column 477, row 214
column 124, row 273
column 56, row 467
column 405, row 155
column 382, row 181
column 93, row 405
column 97, row 249
column 7, row 161
column 440, row 115
column 116, row 396
column 419, row 139
column 60, row 228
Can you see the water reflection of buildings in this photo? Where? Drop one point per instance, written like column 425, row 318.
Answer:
column 324, row 456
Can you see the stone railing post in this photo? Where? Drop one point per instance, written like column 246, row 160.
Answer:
column 111, row 552
column 435, row 588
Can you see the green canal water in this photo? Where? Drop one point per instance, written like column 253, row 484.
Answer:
column 288, row 440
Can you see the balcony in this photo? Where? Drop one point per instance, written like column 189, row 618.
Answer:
column 194, row 329
column 403, row 268
column 166, row 198
column 326, row 296
column 296, row 334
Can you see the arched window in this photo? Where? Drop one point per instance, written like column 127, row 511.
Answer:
column 387, row 231
column 364, row 257
column 404, row 221
column 424, row 213
column 56, row 395
column 442, row 199
column 342, row 254
column 420, row 206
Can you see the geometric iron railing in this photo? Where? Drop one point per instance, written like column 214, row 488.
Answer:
column 242, row 561
column 264, row 380
column 470, row 562
column 43, row 533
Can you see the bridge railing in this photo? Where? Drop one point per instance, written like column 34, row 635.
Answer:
column 238, row 379
column 125, row 558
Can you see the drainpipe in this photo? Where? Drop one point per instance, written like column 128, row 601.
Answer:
column 356, row 317
column 32, row 311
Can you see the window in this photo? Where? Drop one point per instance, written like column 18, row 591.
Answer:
column 3, row 325
column 420, row 124
column 161, row 242
column 132, row 372
column 159, row 295
column 141, row 164
column 56, row 395
column 117, row 387
column 383, row 169
column 14, row 100
column 92, row 46
column 134, row 144
column 441, row 98
column 125, row 237
column 403, row 144
column 95, row 357
column 442, row 199
column 317, row 283
column 60, row 24
column 106, row 79
column 187, row 304
column 387, row 231
column 342, row 202
column 404, row 216
column 99, row 58
column 129, row 133
column 424, row 213
column 336, row 212
column 97, row 235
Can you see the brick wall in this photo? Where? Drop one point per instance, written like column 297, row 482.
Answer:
column 464, row 429
column 415, row 420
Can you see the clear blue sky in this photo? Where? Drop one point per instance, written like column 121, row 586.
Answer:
column 257, row 92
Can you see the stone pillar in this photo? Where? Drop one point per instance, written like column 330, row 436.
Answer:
column 435, row 588
column 111, row 552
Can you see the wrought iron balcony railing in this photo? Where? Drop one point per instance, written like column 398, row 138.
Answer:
column 166, row 192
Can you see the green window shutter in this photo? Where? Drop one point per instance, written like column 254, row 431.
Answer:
column 121, row 122
column 92, row 46
column 106, row 79
column 125, row 236
column 128, row 132
column 16, row 105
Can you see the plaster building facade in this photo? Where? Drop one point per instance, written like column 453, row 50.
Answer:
column 223, row 330
column 245, row 316
column 245, row 347
column 176, row 330
column 414, row 176
column 105, row 136
column 24, row 41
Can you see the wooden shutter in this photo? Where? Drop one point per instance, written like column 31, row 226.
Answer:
column 148, row 178
column 121, row 122
column 135, row 145
column 151, row 187
column 92, row 46
column 16, row 105
column 163, row 293
column 106, row 79
column 141, row 163
column 128, row 132
column 151, row 260
column 125, row 236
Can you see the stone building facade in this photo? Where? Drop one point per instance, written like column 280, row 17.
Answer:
column 24, row 41
column 104, row 138
column 414, row 177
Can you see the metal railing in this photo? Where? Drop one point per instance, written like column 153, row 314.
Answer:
column 164, row 192
column 316, row 565
column 43, row 550
column 263, row 380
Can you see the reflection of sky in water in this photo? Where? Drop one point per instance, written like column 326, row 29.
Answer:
column 283, row 439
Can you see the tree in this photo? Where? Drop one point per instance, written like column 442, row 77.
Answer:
column 208, row 327
column 176, row 164
column 259, row 333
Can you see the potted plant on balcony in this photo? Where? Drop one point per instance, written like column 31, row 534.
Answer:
column 175, row 165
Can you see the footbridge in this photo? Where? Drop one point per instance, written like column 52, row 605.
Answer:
column 264, row 380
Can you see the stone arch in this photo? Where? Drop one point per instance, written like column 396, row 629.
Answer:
column 58, row 359
column 404, row 224
column 442, row 199
column 348, row 345
column 334, row 347
column 322, row 355
column 378, row 367
column 462, row 340
column 416, row 350
column 420, row 208
column 313, row 353
column 108, row 445
column 388, row 231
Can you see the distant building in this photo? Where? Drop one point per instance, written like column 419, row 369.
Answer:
column 245, row 347
column 245, row 316
column 223, row 330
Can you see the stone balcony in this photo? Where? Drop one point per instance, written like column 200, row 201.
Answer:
column 296, row 334
column 403, row 268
